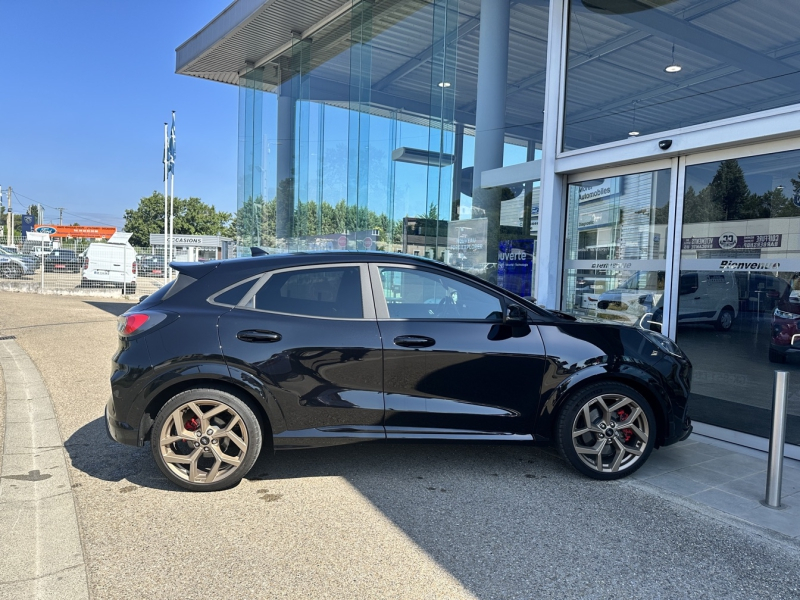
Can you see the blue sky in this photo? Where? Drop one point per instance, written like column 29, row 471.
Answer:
column 87, row 87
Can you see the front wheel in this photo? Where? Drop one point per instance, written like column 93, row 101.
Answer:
column 776, row 357
column 11, row 271
column 205, row 440
column 606, row 431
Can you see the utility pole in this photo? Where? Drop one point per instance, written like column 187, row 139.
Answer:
column 10, row 219
column 60, row 216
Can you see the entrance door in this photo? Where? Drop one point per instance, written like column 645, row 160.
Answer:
column 739, row 232
column 616, row 245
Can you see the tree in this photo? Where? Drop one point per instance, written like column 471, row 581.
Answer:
column 191, row 216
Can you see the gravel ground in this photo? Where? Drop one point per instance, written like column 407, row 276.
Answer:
column 372, row 521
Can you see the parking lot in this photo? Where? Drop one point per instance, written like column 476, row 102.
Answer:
column 362, row 521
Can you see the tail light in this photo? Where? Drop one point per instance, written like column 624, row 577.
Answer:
column 133, row 268
column 138, row 322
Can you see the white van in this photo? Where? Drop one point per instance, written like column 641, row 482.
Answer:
column 113, row 263
column 710, row 297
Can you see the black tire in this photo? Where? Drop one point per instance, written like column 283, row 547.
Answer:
column 610, row 460
column 129, row 288
column 776, row 357
column 725, row 319
column 168, row 446
column 11, row 271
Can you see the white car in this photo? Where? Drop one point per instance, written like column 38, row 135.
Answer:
column 112, row 263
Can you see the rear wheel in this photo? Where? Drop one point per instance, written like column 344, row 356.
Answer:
column 606, row 431
column 725, row 319
column 205, row 440
column 129, row 288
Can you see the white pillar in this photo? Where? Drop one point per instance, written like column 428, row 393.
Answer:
column 552, row 199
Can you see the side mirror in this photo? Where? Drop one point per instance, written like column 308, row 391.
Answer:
column 515, row 315
column 143, row 298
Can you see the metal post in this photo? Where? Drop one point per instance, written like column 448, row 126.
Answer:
column 776, row 440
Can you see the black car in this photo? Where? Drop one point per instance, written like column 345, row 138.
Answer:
column 63, row 261
column 150, row 264
column 306, row 350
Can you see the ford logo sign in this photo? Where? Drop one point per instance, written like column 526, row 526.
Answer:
column 50, row 230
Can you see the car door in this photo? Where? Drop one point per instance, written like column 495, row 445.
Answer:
column 309, row 335
column 452, row 369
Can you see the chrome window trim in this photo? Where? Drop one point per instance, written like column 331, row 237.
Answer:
column 367, row 305
column 211, row 298
column 382, row 307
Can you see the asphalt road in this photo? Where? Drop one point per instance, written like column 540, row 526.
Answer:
column 371, row 521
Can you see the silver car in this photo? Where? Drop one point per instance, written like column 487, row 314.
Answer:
column 15, row 266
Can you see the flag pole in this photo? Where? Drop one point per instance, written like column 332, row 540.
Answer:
column 172, row 193
column 165, row 204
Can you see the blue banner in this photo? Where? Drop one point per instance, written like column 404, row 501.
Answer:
column 515, row 266
column 27, row 225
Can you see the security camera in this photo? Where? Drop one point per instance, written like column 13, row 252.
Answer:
column 665, row 144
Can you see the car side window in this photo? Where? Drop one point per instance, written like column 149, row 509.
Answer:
column 416, row 294
column 689, row 283
column 333, row 292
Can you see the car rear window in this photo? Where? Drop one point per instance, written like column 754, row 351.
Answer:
column 333, row 292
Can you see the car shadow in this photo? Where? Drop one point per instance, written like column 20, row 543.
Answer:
column 115, row 308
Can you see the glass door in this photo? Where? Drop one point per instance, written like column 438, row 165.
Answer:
column 615, row 260
column 738, row 298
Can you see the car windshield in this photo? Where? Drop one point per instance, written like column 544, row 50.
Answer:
column 644, row 280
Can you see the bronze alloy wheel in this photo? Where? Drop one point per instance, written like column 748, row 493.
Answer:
column 606, row 430
column 610, row 433
column 205, row 439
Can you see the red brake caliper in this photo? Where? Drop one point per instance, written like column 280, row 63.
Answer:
column 192, row 424
column 627, row 433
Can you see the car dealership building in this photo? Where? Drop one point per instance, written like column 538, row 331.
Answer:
column 633, row 161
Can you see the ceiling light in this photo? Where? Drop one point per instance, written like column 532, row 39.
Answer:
column 673, row 67
column 444, row 84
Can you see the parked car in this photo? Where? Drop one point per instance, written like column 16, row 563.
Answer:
column 150, row 264
column 307, row 350
column 15, row 266
column 710, row 297
column 112, row 263
column 63, row 261
column 785, row 339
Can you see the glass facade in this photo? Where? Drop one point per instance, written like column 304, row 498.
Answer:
column 366, row 135
column 643, row 67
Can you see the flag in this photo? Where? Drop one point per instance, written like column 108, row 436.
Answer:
column 171, row 147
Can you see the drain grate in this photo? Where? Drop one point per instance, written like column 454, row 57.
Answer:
column 7, row 337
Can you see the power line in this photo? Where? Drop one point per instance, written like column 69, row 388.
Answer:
column 83, row 217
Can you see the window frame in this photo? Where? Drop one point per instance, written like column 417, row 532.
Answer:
column 382, row 307
column 367, row 305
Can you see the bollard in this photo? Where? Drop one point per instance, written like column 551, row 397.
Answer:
column 776, row 440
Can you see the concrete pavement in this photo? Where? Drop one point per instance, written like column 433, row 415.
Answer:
column 372, row 521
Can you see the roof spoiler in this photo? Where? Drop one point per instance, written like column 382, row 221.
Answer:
column 256, row 251
column 195, row 270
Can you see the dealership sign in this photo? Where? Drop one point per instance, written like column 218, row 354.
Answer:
column 596, row 191
column 730, row 241
column 76, row 231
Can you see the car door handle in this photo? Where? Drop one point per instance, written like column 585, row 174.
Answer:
column 258, row 336
column 414, row 341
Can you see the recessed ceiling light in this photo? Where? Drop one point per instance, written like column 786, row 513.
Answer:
column 633, row 133
column 444, row 84
column 673, row 68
